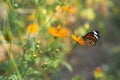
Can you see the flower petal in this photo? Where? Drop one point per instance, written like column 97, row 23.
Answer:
column 33, row 28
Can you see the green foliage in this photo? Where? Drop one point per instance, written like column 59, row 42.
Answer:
column 76, row 78
column 27, row 23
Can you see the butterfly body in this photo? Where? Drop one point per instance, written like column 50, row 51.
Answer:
column 91, row 38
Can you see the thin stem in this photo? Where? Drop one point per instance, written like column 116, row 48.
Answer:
column 53, row 61
column 14, row 63
column 10, row 53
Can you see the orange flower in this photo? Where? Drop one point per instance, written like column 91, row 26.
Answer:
column 78, row 39
column 33, row 28
column 98, row 73
column 98, row 70
column 58, row 31
column 68, row 9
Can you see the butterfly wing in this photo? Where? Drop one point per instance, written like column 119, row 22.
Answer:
column 90, row 42
column 91, row 38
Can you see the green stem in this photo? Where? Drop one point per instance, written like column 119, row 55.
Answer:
column 53, row 61
column 14, row 63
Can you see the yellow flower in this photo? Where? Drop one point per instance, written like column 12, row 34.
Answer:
column 98, row 73
column 58, row 31
column 88, row 14
column 68, row 9
column 78, row 39
column 33, row 28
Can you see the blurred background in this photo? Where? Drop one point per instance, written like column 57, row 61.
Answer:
column 80, row 16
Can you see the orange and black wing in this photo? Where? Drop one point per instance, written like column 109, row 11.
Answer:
column 91, row 38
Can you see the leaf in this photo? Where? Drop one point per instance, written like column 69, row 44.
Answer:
column 67, row 65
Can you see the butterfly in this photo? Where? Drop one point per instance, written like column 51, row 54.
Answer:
column 91, row 38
